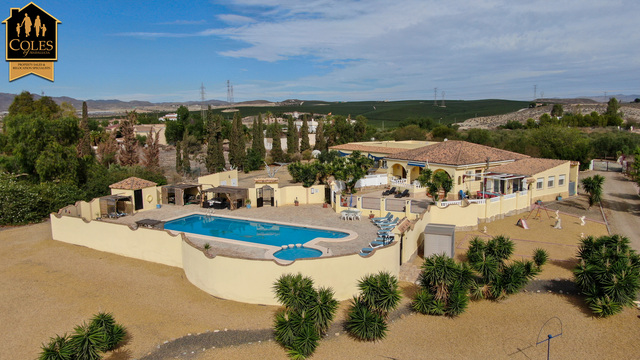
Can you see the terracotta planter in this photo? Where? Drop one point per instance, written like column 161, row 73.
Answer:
column 325, row 205
column 296, row 203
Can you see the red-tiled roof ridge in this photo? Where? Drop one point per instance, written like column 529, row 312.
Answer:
column 132, row 183
column 456, row 152
column 528, row 167
column 368, row 148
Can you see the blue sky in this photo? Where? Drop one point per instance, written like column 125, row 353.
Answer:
column 339, row 50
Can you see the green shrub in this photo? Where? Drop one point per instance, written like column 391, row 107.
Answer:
column 306, row 316
column 59, row 348
column 608, row 274
column 364, row 323
column 88, row 342
column 379, row 295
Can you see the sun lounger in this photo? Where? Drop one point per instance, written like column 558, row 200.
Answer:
column 387, row 217
column 389, row 192
column 402, row 194
column 388, row 223
column 366, row 251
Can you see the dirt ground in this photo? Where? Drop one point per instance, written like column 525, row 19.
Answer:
column 47, row 287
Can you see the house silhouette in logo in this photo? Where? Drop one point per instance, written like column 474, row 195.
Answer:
column 32, row 34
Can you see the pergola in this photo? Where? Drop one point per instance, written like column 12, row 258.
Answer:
column 182, row 194
column 115, row 206
column 222, row 195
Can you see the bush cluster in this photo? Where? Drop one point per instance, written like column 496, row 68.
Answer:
column 88, row 341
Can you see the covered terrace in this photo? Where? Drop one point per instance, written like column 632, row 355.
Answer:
column 222, row 197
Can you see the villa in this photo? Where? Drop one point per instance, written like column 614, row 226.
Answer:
column 218, row 232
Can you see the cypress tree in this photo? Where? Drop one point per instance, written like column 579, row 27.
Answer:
column 276, row 150
column 291, row 138
column 178, row 157
column 152, row 151
column 237, row 151
column 304, row 136
column 321, row 143
column 84, row 144
column 261, row 148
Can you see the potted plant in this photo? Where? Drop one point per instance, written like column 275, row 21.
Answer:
column 296, row 202
column 248, row 203
column 325, row 204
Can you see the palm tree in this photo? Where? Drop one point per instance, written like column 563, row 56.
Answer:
column 593, row 186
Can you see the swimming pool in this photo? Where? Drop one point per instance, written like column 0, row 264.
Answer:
column 258, row 232
column 297, row 253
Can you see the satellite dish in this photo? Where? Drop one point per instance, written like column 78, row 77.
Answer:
column 315, row 153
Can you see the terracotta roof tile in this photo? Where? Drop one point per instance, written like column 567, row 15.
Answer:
column 528, row 167
column 368, row 148
column 455, row 152
column 132, row 183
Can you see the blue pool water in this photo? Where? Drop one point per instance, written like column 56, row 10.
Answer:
column 297, row 253
column 250, row 231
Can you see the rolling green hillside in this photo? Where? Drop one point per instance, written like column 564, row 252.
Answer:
column 391, row 112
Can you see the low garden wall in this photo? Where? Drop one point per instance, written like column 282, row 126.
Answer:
column 239, row 279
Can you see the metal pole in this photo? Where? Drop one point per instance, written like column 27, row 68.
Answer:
column 548, row 346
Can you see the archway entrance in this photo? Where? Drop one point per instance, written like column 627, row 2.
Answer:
column 264, row 196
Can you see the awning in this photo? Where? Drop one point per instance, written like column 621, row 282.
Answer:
column 375, row 158
column 417, row 163
column 343, row 153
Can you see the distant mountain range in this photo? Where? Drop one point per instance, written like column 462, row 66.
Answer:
column 108, row 106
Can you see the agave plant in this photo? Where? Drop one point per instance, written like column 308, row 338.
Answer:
column 88, row 342
column 323, row 310
column 59, row 348
column 540, row 257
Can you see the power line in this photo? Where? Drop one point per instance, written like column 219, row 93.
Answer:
column 230, row 94
column 202, row 100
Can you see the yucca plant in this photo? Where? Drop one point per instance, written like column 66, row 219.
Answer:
column 608, row 274
column 59, row 348
column 380, row 292
column 540, row 257
column 365, row 324
column 306, row 316
column 445, row 285
column 114, row 333
column 88, row 342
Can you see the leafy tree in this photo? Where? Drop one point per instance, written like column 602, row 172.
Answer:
column 557, row 110
column 321, row 143
column 409, row 132
column 304, row 136
column 442, row 132
column 351, row 169
column 480, row 136
column 360, row 129
column 128, row 155
column 307, row 314
column 304, row 173
column 253, row 161
column 379, row 295
column 612, row 115
column 57, row 162
column 22, row 104
column 424, row 123
column 608, row 274
column 593, row 186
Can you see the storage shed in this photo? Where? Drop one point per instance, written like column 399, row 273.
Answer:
column 143, row 192
column 439, row 239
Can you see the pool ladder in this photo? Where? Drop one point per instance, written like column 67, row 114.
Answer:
column 210, row 212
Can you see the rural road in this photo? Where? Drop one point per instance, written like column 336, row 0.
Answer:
column 621, row 204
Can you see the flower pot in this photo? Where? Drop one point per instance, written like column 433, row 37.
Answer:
column 296, row 203
column 325, row 205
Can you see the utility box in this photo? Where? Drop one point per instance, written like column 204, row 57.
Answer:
column 439, row 239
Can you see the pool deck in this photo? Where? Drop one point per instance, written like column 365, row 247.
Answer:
column 307, row 215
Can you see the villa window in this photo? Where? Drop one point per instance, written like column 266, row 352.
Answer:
column 383, row 164
column 459, row 180
column 551, row 182
column 478, row 175
column 539, row 183
column 561, row 180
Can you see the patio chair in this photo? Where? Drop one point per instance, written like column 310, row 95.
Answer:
column 402, row 194
column 389, row 192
